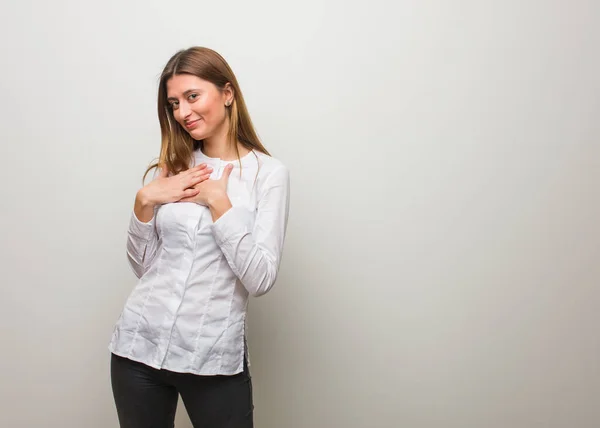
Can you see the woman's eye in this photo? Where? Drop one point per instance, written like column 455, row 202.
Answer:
column 193, row 97
column 174, row 105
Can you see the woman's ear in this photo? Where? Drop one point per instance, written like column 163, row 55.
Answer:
column 229, row 94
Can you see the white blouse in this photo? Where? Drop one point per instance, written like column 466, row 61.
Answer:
column 188, row 311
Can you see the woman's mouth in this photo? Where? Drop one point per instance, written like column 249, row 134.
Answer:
column 192, row 124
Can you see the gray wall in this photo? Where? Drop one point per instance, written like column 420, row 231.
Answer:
column 441, row 267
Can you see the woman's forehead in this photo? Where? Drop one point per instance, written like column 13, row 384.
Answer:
column 184, row 82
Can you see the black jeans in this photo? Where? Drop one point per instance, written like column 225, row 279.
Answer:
column 147, row 398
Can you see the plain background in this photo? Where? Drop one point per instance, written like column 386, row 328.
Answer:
column 441, row 267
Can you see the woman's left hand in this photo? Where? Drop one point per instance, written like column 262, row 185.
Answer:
column 211, row 190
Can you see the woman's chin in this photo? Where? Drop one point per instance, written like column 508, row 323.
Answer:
column 196, row 135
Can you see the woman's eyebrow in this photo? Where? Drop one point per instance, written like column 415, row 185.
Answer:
column 185, row 93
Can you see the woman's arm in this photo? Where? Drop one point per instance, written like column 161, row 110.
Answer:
column 253, row 242
column 141, row 236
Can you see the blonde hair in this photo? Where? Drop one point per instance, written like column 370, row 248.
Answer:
column 177, row 146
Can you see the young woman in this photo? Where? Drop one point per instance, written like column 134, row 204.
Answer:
column 204, row 235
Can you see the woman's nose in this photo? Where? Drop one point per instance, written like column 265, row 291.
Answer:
column 184, row 110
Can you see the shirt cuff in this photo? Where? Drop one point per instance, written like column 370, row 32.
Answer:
column 139, row 229
column 234, row 223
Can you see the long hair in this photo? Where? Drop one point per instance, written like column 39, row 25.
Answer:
column 177, row 146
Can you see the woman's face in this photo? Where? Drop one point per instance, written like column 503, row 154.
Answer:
column 198, row 105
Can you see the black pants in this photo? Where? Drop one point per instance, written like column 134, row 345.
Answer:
column 147, row 398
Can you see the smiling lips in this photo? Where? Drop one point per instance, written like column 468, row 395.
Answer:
column 192, row 124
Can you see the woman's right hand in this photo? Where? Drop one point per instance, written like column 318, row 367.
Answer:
column 165, row 189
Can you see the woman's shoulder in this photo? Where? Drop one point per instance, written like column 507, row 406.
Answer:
column 271, row 171
column 269, row 164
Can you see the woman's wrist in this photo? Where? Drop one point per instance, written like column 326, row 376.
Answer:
column 219, row 205
column 142, row 200
column 143, row 207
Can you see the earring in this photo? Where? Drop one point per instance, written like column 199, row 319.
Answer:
column 228, row 103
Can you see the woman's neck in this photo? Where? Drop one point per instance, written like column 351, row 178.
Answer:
column 219, row 145
column 223, row 150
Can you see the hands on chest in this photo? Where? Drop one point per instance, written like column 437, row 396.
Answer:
column 192, row 185
column 209, row 190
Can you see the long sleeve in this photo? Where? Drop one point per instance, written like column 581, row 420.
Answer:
column 252, row 242
column 141, row 244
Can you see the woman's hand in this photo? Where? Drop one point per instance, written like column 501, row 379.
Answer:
column 213, row 194
column 165, row 189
